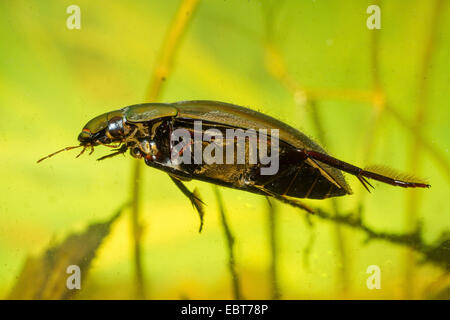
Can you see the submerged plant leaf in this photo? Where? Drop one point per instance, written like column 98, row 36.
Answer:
column 45, row 276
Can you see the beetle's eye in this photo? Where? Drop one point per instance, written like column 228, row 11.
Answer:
column 115, row 127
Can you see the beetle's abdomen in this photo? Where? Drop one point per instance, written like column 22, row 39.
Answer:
column 296, row 176
column 301, row 181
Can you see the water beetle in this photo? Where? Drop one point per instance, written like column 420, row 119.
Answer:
column 305, row 169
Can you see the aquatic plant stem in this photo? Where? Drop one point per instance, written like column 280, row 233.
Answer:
column 237, row 295
column 415, row 155
column 343, row 264
column 272, row 215
column 276, row 67
column 161, row 71
column 136, row 230
column 378, row 105
column 437, row 253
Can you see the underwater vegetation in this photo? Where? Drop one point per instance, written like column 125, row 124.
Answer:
column 116, row 228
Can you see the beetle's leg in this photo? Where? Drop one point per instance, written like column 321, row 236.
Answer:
column 295, row 203
column 130, row 138
column 133, row 133
column 82, row 151
column 194, row 197
column 361, row 174
column 153, row 129
column 285, row 199
column 115, row 146
column 121, row 150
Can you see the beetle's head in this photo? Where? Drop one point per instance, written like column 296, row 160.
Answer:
column 102, row 130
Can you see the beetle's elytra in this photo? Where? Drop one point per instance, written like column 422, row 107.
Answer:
column 305, row 169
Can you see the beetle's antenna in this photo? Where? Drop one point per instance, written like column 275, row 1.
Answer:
column 55, row 153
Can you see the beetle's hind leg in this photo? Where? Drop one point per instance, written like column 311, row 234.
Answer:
column 364, row 182
column 194, row 197
column 362, row 174
column 283, row 198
